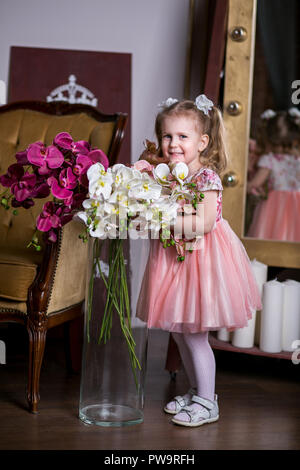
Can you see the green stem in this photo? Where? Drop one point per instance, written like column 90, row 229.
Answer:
column 117, row 297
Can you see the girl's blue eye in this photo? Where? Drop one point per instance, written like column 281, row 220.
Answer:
column 183, row 136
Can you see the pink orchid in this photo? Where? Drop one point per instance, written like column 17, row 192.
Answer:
column 27, row 203
column 22, row 158
column 62, row 188
column 49, row 217
column 83, row 162
column 44, row 157
column 59, row 169
column 65, row 141
column 13, row 175
column 23, row 188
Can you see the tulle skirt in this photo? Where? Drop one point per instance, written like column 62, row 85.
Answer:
column 213, row 288
column 277, row 218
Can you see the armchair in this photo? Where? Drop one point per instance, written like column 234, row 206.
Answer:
column 44, row 289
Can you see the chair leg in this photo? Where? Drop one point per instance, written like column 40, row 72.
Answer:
column 37, row 339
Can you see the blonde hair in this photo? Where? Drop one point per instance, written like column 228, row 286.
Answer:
column 215, row 155
column 280, row 133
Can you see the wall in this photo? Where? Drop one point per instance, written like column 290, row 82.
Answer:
column 155, row 32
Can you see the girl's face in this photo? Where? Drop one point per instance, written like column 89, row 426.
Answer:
column 182, row 140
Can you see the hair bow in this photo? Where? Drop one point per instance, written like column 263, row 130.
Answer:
column 168, row 102
column 294, row 112
column 268, row 114
column 203, row 104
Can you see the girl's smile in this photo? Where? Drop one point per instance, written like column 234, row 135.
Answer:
column 183, row 141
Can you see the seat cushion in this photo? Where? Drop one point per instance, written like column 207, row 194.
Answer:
column 18, row 269
column 7, row 306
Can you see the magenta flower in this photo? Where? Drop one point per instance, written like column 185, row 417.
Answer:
column 40, row 191
column 67, row 179
column 13, row 175
column 44, row 157
column 62, row 188
column 83, row 162
column 60, row 170
column 23, row 188
column 49, row 217
column 65, row 141
column 22, row 158
column 27, row 203
column 98, row 156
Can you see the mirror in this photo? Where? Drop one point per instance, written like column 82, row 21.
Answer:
column 273, row 170
column 238, row 99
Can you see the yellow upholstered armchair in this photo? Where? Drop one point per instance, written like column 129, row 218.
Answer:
column 45, row 289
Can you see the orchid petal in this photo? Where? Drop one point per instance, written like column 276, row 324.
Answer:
column 99, row 156
column 63, row 140
column 58, row 191
column 54, row 157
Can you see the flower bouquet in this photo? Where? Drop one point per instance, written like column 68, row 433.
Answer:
column 59, row 171
column 113, row 202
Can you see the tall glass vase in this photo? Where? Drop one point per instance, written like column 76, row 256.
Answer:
column 115, row 342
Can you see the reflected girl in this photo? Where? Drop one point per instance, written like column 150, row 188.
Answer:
column 276, row 215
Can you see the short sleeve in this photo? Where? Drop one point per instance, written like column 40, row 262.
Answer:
column 266, row 161
column 208, row 180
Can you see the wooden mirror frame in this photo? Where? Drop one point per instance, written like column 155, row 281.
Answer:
column 239, row 65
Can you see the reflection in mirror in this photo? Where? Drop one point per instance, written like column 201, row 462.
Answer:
column 273, row 186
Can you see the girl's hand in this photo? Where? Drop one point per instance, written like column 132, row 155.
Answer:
column 255, row 185
column 255, row 190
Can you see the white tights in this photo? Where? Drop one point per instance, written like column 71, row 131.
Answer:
column 199, row 362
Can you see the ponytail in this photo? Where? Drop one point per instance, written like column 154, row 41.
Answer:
column 215, row 155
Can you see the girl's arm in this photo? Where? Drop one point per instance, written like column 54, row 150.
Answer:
column 258, row 180
column 189, row 226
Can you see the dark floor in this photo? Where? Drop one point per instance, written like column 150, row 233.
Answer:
column 259, row 401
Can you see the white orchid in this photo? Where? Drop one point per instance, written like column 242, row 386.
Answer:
column 123, row 175
column 100, row 181
column 161, row 173
column 127, row 201
column 180, row 172
column 104, row 227
column 144, row 188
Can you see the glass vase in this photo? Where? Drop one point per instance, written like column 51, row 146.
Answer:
column 115, row 341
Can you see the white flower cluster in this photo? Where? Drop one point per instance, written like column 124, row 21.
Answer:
column 123, row 194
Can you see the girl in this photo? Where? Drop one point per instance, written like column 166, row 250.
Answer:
column 277, row 217
column 214, row 287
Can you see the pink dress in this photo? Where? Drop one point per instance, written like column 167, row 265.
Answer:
column 213, row 288
column 277, row 217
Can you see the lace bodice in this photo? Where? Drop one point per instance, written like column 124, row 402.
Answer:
column 285, row 171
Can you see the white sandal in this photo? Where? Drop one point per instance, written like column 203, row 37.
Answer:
column 180, row 402
column 208, row 414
